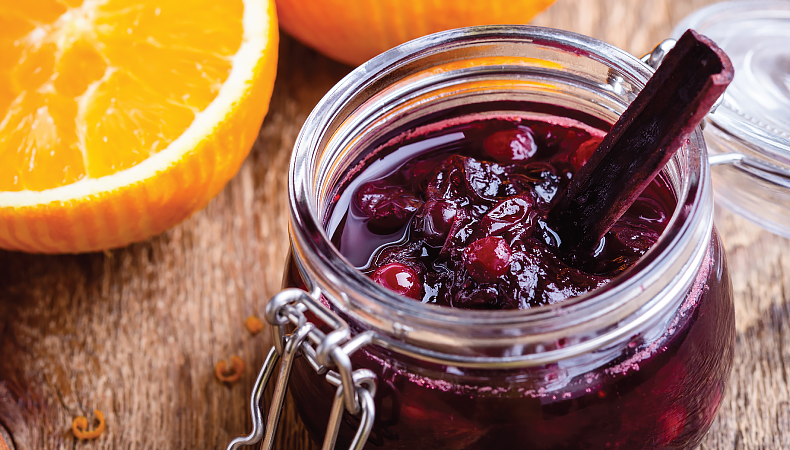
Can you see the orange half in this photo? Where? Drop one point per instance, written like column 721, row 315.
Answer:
column 124, row 117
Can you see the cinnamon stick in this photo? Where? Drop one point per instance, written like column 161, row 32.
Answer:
column 656, row 124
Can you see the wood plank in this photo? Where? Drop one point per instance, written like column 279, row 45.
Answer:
column 136, row 332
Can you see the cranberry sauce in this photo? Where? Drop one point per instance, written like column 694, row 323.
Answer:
column 447, row 213
column 659, row 390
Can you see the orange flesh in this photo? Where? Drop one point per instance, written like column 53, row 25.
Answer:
column 89, row 88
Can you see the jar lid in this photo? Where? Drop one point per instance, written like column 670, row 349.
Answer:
column 749, row 140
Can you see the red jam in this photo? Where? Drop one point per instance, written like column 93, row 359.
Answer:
column 448, row 214
column 457, row 206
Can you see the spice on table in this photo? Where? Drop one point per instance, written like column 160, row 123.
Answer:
column 229, row 374
column 253, row 324
column 79, row 426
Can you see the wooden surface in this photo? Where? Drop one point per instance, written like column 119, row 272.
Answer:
column 136, row 332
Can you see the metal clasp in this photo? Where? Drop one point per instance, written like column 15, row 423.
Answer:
column 659, row 52
column 355, row 388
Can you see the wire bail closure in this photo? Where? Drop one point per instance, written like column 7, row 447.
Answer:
column 355, row 388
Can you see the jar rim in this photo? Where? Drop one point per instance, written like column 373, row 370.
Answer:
column 397, row 318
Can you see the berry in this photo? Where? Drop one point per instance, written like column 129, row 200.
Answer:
column 486, row 180
column 543, row 177
column 487, row 259
column 400, row 279
column 387, row 207
column 478, row 297
column 633, row 237
column 509, row 146
column 433, row 210
column 447, row 181
column 585, row 150
column 436, row 219
column 510, row 211
column 672, row 424
column 416, row 172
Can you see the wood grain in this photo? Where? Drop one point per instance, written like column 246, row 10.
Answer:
column 135, row 332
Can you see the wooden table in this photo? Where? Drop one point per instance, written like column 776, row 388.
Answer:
column 135, row 332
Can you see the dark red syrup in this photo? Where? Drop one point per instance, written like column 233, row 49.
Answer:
column 455, row 209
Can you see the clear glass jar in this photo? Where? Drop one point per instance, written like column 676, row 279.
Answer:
column 750, row 131
column 639, row 363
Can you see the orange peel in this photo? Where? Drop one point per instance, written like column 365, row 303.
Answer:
column 353, row 31
column 253, row 325
column 232, row 373
column 79, row 426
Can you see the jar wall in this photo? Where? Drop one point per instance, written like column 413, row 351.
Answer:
column 660, row 389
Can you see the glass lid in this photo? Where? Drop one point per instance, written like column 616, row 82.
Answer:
column 749, row 136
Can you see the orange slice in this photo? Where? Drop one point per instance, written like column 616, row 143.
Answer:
column 121, row 118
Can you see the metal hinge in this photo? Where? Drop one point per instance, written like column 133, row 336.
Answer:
column 355, row 388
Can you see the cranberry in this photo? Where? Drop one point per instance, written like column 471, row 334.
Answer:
column 550, row 137
column 498, row 182
column 436, row 219
column 672, row 424
column 548, row 188
column 542, row 177
column 408, row 254
column 634, row 238
column 487, row 259
column 418, row 171
column 584, row 152
column 462, row 230
column 487, row 181
column 387, row 207
column 468, row 180
column 509, row 212
column 539, row 277
column 399, row 278
column 447, row 181
column 478, row 297
column 508, row 146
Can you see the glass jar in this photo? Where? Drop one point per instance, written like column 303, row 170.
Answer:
column 749, row 136
column 639, row 363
